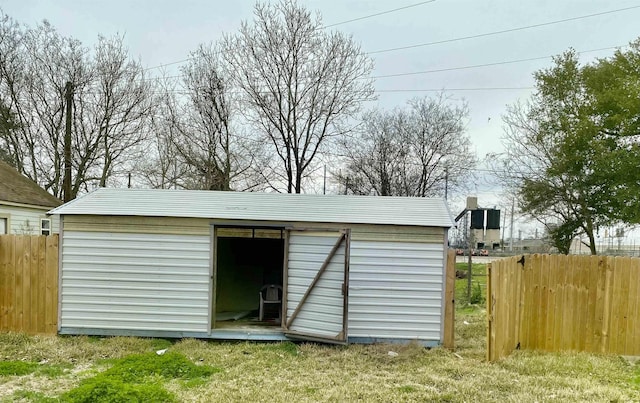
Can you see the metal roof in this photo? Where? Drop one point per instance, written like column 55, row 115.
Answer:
column 254, row 206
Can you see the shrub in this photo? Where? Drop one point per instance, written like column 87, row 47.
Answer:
column 476, row 294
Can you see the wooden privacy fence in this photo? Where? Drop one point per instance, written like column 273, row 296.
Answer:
column 29, row 283
column 557, row 302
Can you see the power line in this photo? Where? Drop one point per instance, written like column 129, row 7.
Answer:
column 458, row 89
column 185, row 92
column 502, row 31
column 167, row 64
column 488, row 64
column 326, row 26
column 446, row 68
column 380, row 13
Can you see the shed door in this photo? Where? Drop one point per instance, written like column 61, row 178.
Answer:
column 316, row 285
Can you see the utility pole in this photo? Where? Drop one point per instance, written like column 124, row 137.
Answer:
column 513, row 202
column 470, row 266
column 446, row 182
column 504, row 223
column 66, row 181
column 324, row 181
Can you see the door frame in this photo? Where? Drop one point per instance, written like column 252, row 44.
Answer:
column 344, row 237
column 213, row 280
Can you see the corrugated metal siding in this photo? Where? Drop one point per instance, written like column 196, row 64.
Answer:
column 262, row 207
column 140, row 225
column 395, row 290
column 397, row 233
column 322, row 312
column 135, row 281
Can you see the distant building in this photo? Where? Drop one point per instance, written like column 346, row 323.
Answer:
column 24, row 204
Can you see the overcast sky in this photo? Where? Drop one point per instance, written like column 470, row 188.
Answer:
column 161, row 31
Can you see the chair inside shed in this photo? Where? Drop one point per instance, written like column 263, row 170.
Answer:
column 249, row 270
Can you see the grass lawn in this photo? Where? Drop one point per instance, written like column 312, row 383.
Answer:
column 478, row 284
column 87, row 369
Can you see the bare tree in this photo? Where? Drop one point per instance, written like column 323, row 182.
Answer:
column 197, row 141
column 116, row 111
column 417, row 151
column 111, row 105
column 35, row 66
column 299, row 83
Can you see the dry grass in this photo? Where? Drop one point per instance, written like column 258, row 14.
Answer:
column 311, row 372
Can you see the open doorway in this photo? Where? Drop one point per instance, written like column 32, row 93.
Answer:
column 248, row 269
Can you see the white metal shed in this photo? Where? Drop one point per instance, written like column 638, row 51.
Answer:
column 171, row 263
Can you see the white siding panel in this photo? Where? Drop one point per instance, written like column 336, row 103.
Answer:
column 26, row 221
column 395, row 290
column 135, row 282
column 322, row 312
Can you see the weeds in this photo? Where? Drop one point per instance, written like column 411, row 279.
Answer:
column 139, row 378
column 103, row 389
column 17, row 368
column 171, row 365
column 476, row 294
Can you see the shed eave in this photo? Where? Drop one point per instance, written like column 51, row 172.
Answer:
column 250, row 221
column 249, row 206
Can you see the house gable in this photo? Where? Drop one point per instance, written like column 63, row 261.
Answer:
column 18, row 190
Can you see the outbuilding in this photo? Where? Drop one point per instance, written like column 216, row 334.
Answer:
column 255, row 266
column 24, row 205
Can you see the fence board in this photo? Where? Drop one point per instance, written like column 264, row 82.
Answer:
column 591, row 267
column 51, row 293
column 448, row 337
column 583, row 303
column 528, row 307
column 555, row 302
column 29, row 283
column 6, row 286
column 553, row 291
column 491, row 336
column 538, row 332
column 633, row 326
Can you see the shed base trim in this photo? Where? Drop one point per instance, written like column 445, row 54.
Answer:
column 214, row 335
column 382, row 340
column 228, row 334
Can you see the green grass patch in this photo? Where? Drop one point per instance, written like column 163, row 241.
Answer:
column 171, row 365
column 18, row 368
column 285, row 347
column 53, row 371
column 195, row 383
column 103, row 389
column 33, row 397
column 138, row 378
column 478, row 284
column 407, row 389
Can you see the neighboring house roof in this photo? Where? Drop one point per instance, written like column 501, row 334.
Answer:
column 254, row 206
column 17, row 188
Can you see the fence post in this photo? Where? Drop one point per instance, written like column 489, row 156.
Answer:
column 490, row 305
column 448, row 337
